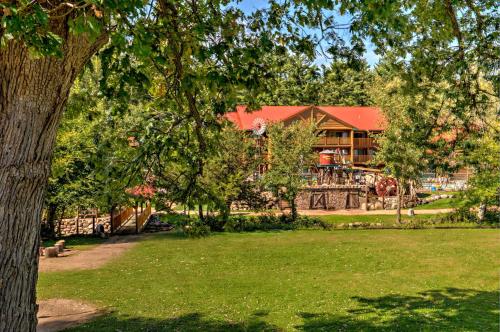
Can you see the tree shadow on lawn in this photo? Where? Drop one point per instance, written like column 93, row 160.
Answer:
column 448, row 309
column 187, row 322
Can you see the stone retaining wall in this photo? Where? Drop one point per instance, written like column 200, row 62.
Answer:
column 329, row 198
column 388, row 203
column 69, row 226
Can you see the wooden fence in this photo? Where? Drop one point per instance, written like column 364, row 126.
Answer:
column 121, row 217
column 143, row 217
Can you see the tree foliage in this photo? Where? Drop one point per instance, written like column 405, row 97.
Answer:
column 481, row 155
column 290, row 152
column 296, row 80
column 91, row 167
column 229, row 172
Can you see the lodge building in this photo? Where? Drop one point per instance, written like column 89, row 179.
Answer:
column 343, row 131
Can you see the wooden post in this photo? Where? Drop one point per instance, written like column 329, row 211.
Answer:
column 93, row 224
column 77, row 219
column 269, row 152
column 60, row 220
column 111, row 215
column 366, row 197
column 136, row 208
column 352, row 146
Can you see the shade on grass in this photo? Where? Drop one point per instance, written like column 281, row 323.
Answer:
column 296, row 280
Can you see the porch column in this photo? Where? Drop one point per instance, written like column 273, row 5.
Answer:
column 352, row 146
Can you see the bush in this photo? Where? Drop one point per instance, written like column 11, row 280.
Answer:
column 458, row 216
column 216, row 224
column 196, row 230
column 467, row 216
column 238, row 223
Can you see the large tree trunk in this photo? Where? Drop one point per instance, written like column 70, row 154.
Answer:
column 33, row 93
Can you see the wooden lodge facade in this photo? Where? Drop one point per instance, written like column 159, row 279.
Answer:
column 344, row 131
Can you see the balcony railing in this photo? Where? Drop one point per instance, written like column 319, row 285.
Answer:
column 337, row 159
column 362, row 158
column 325, row 141
column 367, row 142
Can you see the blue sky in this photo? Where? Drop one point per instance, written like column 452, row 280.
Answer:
column 372, row 59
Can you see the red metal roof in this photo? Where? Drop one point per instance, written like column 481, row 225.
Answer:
column 359, row 117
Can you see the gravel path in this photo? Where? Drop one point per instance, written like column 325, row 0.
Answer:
column 59, row 314
column 359, row 212
column 352, row 212
column 89, row 259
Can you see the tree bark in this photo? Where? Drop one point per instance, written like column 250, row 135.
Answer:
column 398, row 211
column 33, row 93
column 294, row 209
column 200, row 213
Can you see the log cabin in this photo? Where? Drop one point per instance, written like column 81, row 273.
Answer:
column 346, row 131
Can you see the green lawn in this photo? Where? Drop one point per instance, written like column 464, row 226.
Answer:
column 297, row 280
column 443, row 203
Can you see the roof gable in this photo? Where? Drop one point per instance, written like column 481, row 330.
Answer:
column 324, row 120
column 356, row 117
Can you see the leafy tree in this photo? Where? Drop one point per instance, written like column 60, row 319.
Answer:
column 186, row 44
column 400, row 148
column 346, row 83
column 230, row 170
column 290, row 153
column 443, row 51
column 210, row 47
column 296, row 81
column 481, row 155
column 92, row 155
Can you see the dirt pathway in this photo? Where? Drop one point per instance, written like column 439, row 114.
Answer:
column 89, row 259
column 359, row 212
column 352, row 212
column 59, row 314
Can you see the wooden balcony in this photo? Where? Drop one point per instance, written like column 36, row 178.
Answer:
column 361, row 143
column 329, row 141
column 340, row 159
column 362, row 158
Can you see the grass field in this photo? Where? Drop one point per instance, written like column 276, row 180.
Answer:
column 312, row 280
column 443, row 203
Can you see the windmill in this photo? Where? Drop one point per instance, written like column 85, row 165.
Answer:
column 259, row 126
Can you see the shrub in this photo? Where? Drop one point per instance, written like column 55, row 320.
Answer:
column 196, row 229
column 216, row 224
column 458, row 216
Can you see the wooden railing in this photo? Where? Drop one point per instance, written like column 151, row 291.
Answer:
column 367, row 142
column 336, row 159
column 362, row 158
column 325, row 140
column 121, row 217
column 143, row 217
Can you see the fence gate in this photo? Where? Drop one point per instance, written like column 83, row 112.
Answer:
column 318, row 200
